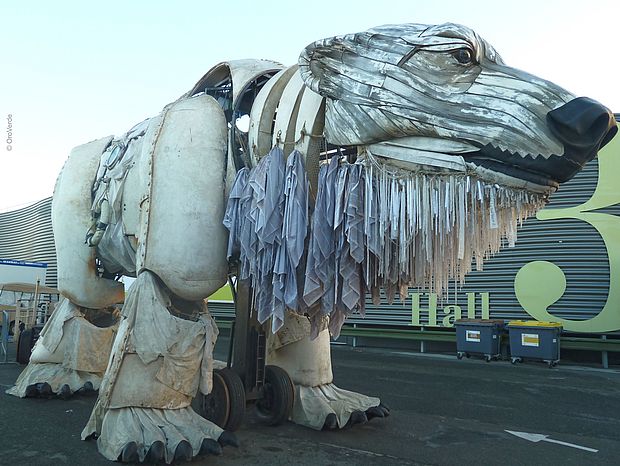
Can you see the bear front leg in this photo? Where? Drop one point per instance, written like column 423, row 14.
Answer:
column 319, row 404
column 159, row 361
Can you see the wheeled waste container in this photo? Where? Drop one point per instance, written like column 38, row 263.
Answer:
column 534, row 340
column 478, row 336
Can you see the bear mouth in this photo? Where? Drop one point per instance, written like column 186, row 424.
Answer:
column 546, row 172
column 486, row 162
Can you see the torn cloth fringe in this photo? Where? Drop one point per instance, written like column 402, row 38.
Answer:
column 267, row 216
column 372, row 228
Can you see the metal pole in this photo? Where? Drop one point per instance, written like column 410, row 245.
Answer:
column 35, row 305
column 4, row 340
column 231, row 338
column 422, row 342
column 604, row 359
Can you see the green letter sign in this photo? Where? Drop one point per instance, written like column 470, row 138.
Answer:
column 540, row 284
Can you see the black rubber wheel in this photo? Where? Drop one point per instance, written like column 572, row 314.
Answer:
column 278, row 395
column 225, row 405
column 24, row 346
column 236, row 393
column 487, row 358
column 459, row 355
column 215, row 406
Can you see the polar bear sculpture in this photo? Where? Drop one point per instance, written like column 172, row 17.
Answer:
column 431, row 111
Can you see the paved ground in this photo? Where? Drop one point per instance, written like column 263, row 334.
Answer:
column 444, row 412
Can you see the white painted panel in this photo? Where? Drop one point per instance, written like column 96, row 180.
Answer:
column 71, row 219
column 186, row 241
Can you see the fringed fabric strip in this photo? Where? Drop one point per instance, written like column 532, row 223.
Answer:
column 374, row 226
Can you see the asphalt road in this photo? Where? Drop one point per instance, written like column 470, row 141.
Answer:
column 444, row 412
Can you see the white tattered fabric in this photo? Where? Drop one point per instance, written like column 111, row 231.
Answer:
column 374, row 226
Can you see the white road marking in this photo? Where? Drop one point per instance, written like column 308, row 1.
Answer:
column 545, row 438
column 357, row 450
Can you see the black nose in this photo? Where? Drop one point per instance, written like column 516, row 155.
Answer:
column 584, row 126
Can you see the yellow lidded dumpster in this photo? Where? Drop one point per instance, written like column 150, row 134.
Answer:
column 534, row 340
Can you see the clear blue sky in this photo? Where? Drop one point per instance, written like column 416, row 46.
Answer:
column 74, row 71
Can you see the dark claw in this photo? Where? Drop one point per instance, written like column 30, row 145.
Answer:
column 210, row 447
column 65, row 392
column 228, row 438
column 31, row 391
column 155, row 453
column 36, row 390
column 129, row 453
column 373, row 412
column 331, row 422
column 358, row 417
column 386, row 410
column 92, row 436
column 183, row 451
column 86, row 389
column 44, row 390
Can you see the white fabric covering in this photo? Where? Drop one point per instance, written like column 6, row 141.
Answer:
column 70, row 350
column 157, row 365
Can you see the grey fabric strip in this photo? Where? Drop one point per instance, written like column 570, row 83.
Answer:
column 373, row 228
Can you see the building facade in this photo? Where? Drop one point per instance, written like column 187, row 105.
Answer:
column 26, row 235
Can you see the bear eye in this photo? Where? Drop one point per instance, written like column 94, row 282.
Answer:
column 463, row 56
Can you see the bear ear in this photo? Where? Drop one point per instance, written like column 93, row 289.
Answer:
column 320, row 63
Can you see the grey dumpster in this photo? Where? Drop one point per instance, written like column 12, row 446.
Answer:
column 534, row 340
column 478, row 336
